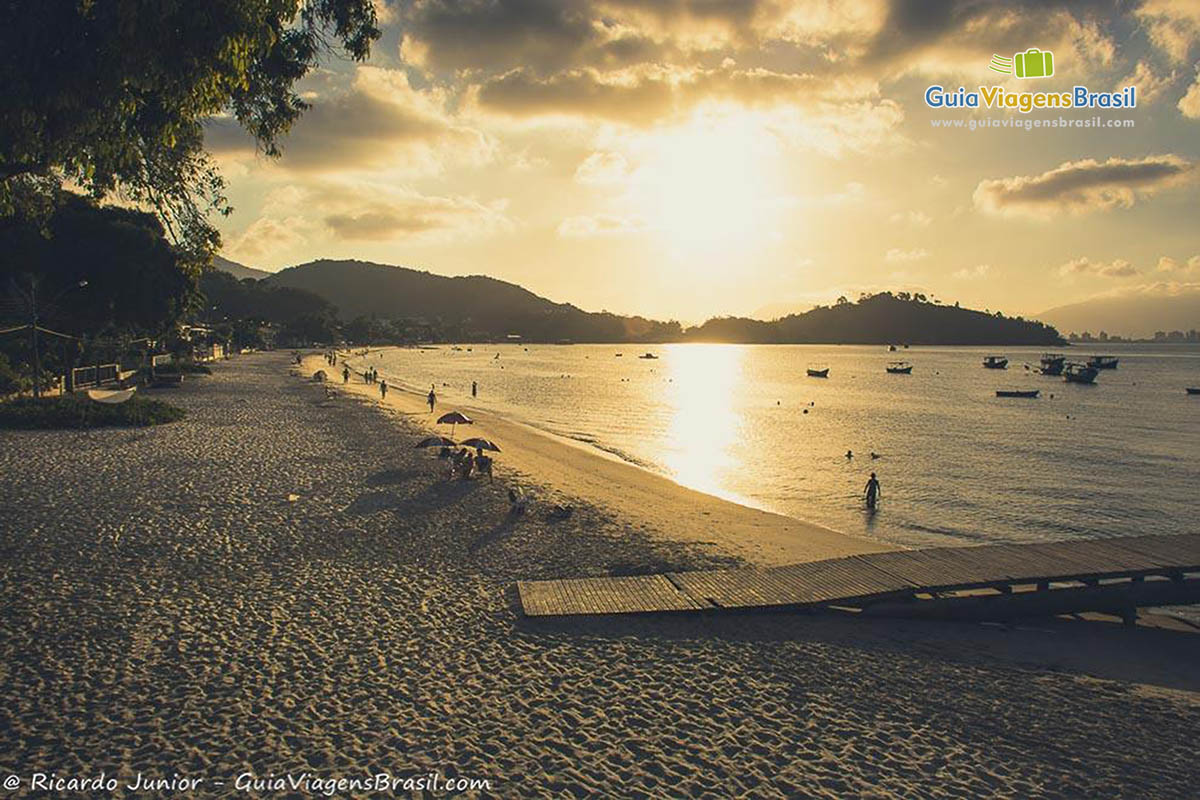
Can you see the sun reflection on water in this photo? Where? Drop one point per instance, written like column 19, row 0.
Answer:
column 704, row 385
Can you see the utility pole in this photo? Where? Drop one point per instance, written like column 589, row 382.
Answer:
column 33, row 326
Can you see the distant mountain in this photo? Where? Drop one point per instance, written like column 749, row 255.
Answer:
column 1138, row 315
column 239, row 271
column 880, row 319
column 461, row 307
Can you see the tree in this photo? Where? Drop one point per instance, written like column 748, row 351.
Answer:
column 111, row 95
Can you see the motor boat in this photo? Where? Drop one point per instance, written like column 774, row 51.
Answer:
column 818, row 372
column 1017, row 392
column 1052, row 363
column 995, row 362
column 900, row 368
column 649, row 356
column 1080, row 373
column 1103, row 362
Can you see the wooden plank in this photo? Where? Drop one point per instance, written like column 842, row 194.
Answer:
column 863, row 577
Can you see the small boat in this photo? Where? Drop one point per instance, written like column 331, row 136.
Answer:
column 1103, row 362
column 620, row 354
column 1017, row 392
column 900, row 368
column 995, row 362
column 648, row 356
column 1193, row 390
column 818, row 372
column 1052, row 363
column 891, row 348
column 1080, row 373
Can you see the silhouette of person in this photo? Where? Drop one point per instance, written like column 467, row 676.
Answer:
column 432, row 398
column 872, row 491
column 345, row 374
column 474, row 389
column 383, row 390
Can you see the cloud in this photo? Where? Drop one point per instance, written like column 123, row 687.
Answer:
column 1119, row 268
column 972, row 273
column 1189, row 104
column 351, row 211
column 1172, row 25
column 266, row 237
column 599, row 225
column 1166, row 264
column 1150, row 84
column 1080, row 187
column 602, row 168
column 918, row 219
column 377, row 120
column 897, row 255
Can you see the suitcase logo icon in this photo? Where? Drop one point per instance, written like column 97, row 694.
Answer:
column 1033, row 63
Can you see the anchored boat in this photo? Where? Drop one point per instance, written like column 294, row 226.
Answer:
column 1017, row 392
column 900, row 368
column 818, row 372
column 1052, row 363
column 995, row 362
column 1080, row 373
column 1103, row 362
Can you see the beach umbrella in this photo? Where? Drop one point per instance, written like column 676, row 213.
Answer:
column 454, row 418
column 481, row 444
column 436, row 441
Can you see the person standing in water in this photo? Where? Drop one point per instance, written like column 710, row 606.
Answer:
column 383, row 390
column 474, row 389
column 432, row 398
column 872, row 491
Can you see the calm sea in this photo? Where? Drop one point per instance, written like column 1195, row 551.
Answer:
column 957, row 464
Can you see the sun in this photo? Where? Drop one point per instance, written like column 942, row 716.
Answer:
column 710, row 187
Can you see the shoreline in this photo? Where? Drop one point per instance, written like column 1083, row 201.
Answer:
column 279, row 584
column 569, row 469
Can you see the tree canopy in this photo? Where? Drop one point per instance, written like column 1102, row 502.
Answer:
column 136, row 280
column 111, row 95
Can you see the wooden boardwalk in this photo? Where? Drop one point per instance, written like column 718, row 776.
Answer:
column 1154, row 568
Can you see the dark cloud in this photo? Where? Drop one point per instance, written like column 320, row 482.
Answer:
column 1081, row 186
column 378, row 119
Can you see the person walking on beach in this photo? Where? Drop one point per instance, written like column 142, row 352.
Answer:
column 872, row 491
column 474, row 389
column 345, row 374
column 383, row 389
column 432, row 398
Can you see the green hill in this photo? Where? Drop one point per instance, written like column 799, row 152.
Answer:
column 881, row 319
column 461, row 307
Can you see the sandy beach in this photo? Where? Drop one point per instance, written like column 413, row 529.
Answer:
column 561, row 467
column 281, row 585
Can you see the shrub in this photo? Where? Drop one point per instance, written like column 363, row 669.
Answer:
column 77, row 411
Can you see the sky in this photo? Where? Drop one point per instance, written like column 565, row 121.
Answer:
column 682, row 159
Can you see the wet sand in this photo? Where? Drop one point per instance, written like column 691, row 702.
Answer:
column 281, row 584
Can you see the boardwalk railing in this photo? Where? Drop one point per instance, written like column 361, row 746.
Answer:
column 989, row 581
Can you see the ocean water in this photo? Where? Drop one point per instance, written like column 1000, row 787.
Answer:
column 957, row 464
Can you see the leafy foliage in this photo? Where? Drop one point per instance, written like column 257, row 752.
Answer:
column 112, row 94
column 136, row 281
column 77, row 411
